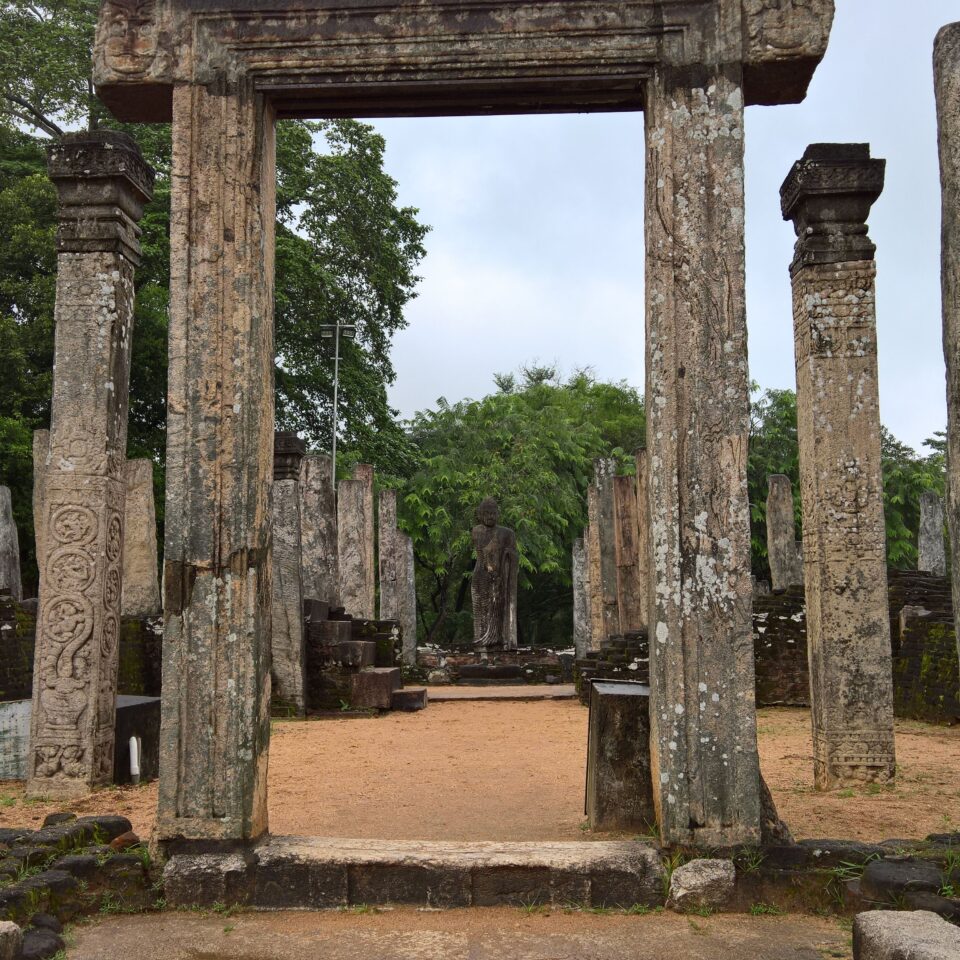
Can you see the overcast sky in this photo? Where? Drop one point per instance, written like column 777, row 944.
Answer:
column 536, row 251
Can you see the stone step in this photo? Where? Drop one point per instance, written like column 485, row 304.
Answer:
column 373, row 688
column 317, row 873
column 409, row 699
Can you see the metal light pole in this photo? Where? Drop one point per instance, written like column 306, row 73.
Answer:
column 332, row 331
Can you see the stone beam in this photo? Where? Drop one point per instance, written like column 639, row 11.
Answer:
column 102, row 184
column 828, row 195
column 215, row 718
column 703, row 720
column 438, row 57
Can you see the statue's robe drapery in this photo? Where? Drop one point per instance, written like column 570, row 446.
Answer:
column 494, row 588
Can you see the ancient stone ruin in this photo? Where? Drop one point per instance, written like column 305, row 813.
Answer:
column 9, row 548
column 784, row 551
column 493, row 587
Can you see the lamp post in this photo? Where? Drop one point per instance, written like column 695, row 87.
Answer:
column 332, row 331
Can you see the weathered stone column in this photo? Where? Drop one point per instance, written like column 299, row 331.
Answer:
column 355, row 543
column 630, row 597
column 594, row 580
column 643, row 534
column 604, row 472
column 398, row 589
column 931, row 556
column 828, row 195
column 946, row 77
column 287, row 650
column 9, row 548
column 581, row 596
column 783, row 551
column 141, row 575
column 102, row 184
column 318, row 530
column 215, row 727
column 41, row 455
column 703, row 720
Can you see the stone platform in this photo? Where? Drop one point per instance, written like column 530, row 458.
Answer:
column 316, row 873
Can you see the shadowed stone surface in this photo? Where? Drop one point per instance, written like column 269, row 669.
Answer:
column 581, row 597
column 141, row 577
column 931, row 555
column 493, row 586
column 828, row 195
column 102, row 185
column 783, row 549
column 946, row 74
column 318, row 530
column 398, row 588
column 631, row 601
column 9, row 548
column 355, row 543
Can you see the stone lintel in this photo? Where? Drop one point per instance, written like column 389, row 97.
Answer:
column 102, row 183
column 288, row 453
column 828, row 194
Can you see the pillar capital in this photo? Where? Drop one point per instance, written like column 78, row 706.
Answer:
column 828, row 194
column 102, row 183
column 288, row 453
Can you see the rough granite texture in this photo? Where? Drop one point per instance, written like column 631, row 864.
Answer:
column 581, row 597
column 828, row 195
column 702, row 883
column 946, row 75
column 288, row 663
column 644, row 557
column 355, row 527
column 9, row 548
column 904, row 935
column 318, row 530
column 102, row 184
column 784, row 551
column 931, row 552
column 604, row 471
column 703, row 720
column 141, row 576
column 398, row 588
column 41, row 452
column 594, row 587
column 631, row 606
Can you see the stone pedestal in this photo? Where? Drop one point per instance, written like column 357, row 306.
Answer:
column 318, row 530
column 9, row 548
column 783, row 551
column 141, row 577
column 946, row 75
column 703, row 721
column 931, row 556
column 288, row 665
column 398, row 589
column 828, row 195
column 581, row 597
column 355, row 543
column 631, row 600
column 102, row 183
column 215, row 727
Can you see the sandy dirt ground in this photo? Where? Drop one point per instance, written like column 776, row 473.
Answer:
column 483, row 934
column 515, row 771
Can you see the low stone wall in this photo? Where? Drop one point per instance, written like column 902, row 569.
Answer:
column 526, row 665
column 926, row 674
column 780, row 648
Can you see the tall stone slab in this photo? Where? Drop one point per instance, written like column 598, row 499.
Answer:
column 141, row 575
column 41, row 454
column 215, row 713
column 631, row 601
column 581, row 596
column 604, row 472
column 9, row 548
column 318, row 530
column 828, row 195
column 644, row 558
column 102, row 183
column 288, row 663
column 946, row 76
column 703, row 718
column 594, row 580
column 784, row 553
column 355, row 543
column 398, row 590
column 931, row 555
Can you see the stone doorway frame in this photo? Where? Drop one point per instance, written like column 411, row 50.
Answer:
column 223, row 73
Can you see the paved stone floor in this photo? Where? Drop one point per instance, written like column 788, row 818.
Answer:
column 480, row 934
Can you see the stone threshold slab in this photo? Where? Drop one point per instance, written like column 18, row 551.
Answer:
column 560, row 691
column 316, row 873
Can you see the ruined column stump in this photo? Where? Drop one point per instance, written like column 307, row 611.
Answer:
column 783, row 551
column 355, row 543
column 141, row 575
column 631, row 597
column 215, row 725
column 828, row 195
column 703, row 719
column 102, row 184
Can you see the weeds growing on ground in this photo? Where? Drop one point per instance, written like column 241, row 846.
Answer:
column 766, row 910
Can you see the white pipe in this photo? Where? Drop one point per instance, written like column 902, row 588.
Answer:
column 135, row 759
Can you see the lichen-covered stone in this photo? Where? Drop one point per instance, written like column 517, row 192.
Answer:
column 318, row 530
column 631, row 599
column 783, row 551
column 581, row 597
column 931, row 555
column 141, row 577
column 9, row 548
column 702, row 883
column 398, row 589
column 355, row 528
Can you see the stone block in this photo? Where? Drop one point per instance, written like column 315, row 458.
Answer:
column 396, row 882
column 904, row 935
column 10, row 940
column 702, row 883
column 373, row 689
column 39, row 943
column 512, row 885
column 409, row 699
column 887, row 880
column 203, row 879
column 619, row 785
column 357, row 653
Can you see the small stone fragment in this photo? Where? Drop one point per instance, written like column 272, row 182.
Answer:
column 10, row 940
column 702, row 883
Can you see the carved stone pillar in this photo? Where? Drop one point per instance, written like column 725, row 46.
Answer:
column 318, row 530
column 141, row 575
column 703, row 719
column 355, row 543
column 828, row 195
column 9, row 548
column 630, row 598
column 398, row 591
column 287, row 650
column 594, row 580
column 946, row 76
column 931, row 556
column 581, row 597
column 41, row 455
column 783, row 551
column 102, row 183
column 215, row 719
